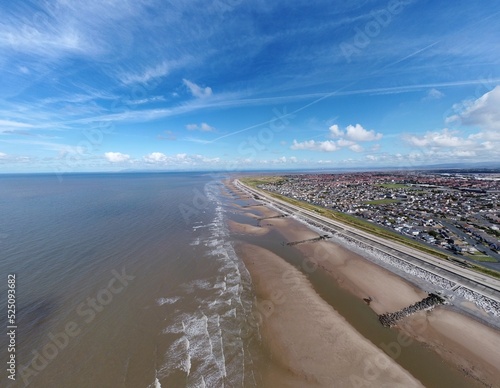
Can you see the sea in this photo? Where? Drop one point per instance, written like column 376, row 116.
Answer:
column 124, row 280
column 132, row 280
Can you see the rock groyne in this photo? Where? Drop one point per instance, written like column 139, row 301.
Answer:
column 390, row 319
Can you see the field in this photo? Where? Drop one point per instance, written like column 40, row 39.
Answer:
column 394, row 186
column 482, row 257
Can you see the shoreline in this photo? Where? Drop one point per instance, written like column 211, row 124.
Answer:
column 386, row 291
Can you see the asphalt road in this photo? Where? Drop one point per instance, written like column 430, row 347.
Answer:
column 474, row 243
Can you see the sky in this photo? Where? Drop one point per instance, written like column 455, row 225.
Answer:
column 233, row 85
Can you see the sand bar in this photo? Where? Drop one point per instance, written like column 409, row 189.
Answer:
column 306, row 338
column 387, row 291
column 469, row 344
column 238, row 228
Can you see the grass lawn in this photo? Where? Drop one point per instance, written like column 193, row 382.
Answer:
column 394, row 185
column 481, row 257
column 253, row 182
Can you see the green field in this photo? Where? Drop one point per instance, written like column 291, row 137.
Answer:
column 358, row 223
column 483, row 258
column 253, row 182
column 394, row 185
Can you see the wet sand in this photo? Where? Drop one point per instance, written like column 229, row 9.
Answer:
column 239, row 228
column 309, row 342
column 387, row 291
column 467, row 343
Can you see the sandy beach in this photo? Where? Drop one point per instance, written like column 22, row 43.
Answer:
column 472, row 346
column 387, row 291
column 468, row 344
column 306, row 337
column 236, row 227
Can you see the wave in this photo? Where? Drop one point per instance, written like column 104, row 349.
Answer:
column 162, row 301
column 208, row 345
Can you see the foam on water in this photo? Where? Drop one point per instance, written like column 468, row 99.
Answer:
column 177, row 358
column 195, row 242
column 209, row 347
column 155, row 384
column 162, row 301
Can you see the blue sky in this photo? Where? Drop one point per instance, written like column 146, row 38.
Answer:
column 247, row 84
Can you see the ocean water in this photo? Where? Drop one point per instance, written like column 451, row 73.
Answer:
column 124, row 280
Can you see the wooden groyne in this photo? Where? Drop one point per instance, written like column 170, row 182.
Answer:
column 324, row 237
column 268, row 218
column 390, row 319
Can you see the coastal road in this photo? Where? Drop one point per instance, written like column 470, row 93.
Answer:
column 478, row 282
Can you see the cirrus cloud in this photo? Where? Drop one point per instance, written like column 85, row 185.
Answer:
column 196, row 90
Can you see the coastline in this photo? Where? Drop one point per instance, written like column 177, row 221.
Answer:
column 385, row 291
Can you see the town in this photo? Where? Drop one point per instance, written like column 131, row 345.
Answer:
column 456, row 212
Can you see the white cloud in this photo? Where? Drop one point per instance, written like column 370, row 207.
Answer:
column 116, row 157
column 483, row 112
column 358, row 133
column 345, row 143
column 356, row 148
column 335, row 131
column 14, row 124
column 204, row 127
column 197, row 91
column 150, row 73
column 196, row 140
column 311, row 145
column 3, row 155
column 464, row 153
column 346, row 139
column 434, row 94
column 146, row 100
column 44, row 42
column 179, row 160
column 444, row 138
column 155, row 157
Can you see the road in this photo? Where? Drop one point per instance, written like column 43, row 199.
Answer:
column 475, row 281
column 474, row 243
